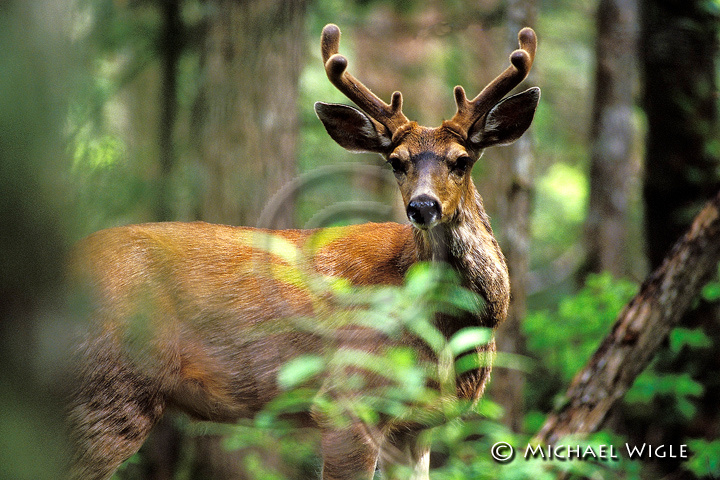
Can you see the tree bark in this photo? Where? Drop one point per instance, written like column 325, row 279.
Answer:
column 246, row 124
column 640, row 330
column 612, row 136
column 245, row 118
column 171, row 45
column 680, row 98
column 508, row 384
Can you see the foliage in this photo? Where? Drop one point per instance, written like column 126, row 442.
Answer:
column 328, row 385
column 677, row 393
column 395, row 313
column 566, row 338
column 586, row 318
column 466, row 445
column 705, row 459
column 711, row 291
column 670, row 397
column 680, row 388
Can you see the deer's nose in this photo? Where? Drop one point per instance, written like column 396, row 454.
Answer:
column 423, row 211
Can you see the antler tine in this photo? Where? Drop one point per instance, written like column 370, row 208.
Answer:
column 390, row 116
column 521, row 60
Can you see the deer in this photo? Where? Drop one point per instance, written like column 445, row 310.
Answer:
column 173, row 305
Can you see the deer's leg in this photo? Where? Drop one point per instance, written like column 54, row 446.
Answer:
column 110, row 417
column 349, row 454
column 405, row 456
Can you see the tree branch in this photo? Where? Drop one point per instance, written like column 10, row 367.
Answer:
column 639, row 330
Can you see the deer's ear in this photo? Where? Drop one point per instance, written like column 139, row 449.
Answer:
column 506, row 121
column 352, row 129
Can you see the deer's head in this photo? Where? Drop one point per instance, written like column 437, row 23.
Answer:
column 432, row 165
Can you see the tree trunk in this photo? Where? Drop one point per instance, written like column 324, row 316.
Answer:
column 508, row 384
column 161, row 453
column 245, row 118
column 679, row 50
column 679, row 45
column 640, row 330
column 246, row 124
column 612, row 136
column 171, row 45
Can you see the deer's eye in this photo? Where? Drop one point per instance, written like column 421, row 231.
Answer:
column 460, row 165
column 397, row 165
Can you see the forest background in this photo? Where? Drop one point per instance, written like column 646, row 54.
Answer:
column 116, row 112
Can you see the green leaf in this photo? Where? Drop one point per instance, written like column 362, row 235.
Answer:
column 688, row 337
column 704, row 459
column 428, row 333
column 468, row 339
column 585, row 317
column 711, row 292
column 299, row 370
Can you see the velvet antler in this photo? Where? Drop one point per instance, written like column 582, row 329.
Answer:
column 390, row 116
column 469, row 111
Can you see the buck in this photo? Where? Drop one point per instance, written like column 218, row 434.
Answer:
column 175, row 305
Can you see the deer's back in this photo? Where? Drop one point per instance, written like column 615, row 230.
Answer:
column 200, row 310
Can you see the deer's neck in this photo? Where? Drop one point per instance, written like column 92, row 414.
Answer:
column 467, row 244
